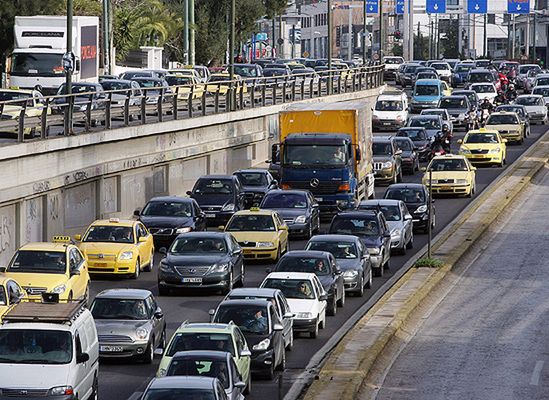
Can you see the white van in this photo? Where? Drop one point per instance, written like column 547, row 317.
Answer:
column 390, row 111
column 49, row 350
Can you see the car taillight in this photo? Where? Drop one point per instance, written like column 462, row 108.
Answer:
column 285, row 186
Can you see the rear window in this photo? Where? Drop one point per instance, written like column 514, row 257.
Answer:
column 355, row 226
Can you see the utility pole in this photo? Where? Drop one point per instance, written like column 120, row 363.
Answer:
column 192, row 34
column 186, row 32
column 514, row 38
column 106, row 40
column 330, row 35
column 528, row 40
column 474, row 39
column 364, row 32
column 350, row 37
column 410, row 31
column 68, row 127
column 430, row 37
column 380, row 30
column 232, row 22
column 534, row 44
column 485, row 40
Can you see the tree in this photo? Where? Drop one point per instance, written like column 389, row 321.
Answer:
column 450, row 43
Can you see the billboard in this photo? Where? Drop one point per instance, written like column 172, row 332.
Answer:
column 88, row 52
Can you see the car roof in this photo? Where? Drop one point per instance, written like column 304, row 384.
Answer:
column 425, row 116
column 306, row 253
column 291, row 191
column 479, row 70
column 356, row 214
column 245, row 302
column 227, row 177
column 128, row 81
column 450, row 157
column 254, row 211
column 45, row 246
column 503, row 113
column 381, row 202
column 411, row 128
column 260, row 292
column 252, row 170
column 529, row 95
column 454, row 96
column 334, row 238
column 26, row 91
column 541, row 87
column 172, row 198
column 210, row 354
column 482, row 131
column 134, row 294
column 114, row 222
column 382, row 138
column 205, row 327
column 406, row 186
column 212, row 234
column 428, row 81
column 291, row 275
column 183, row 382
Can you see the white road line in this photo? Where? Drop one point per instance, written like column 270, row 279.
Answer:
column 536, row 374
column 135, row 396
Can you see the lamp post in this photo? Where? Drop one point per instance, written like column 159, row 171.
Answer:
column 365, row 33
column 68, row 63
column 330, row 35
column 232, row 22
column 430, row 212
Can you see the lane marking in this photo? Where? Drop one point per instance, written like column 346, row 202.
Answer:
column 536, row 373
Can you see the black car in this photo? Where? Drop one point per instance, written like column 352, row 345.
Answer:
column 409, row 155
column 153, row 88
column 219, row 196
column 521, row 112
column 259, row 322
column 372, row 229
column 201, row 260
column 324, row 265
column 351, row 256
column 298, row 209
column 419, row 138
column 255, row 183
column 87, row 96
column 474, row 101
column 416, row 198
column 169, row 216
column 460, row 109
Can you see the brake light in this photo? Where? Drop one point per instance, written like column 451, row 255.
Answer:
column 344, row 187
column 285, row 186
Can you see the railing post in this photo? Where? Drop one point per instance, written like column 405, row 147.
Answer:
column 127, row 109
column 241, row 95
column 284, row 89
column 175, row 106
column 87, row 125
column 252, row 93
column 228, row 98
column 354, row 82
column 203, row 99
column 108, row 120
column 190, row 102
column 311, row 87
column 263, row 93
column 21, row 130
column 159, row 105
column 302, row 88
column 274, row 90
column 293, row 89
column 216, row 100
column 68, row 118
column 144, row 107
column 44, row 119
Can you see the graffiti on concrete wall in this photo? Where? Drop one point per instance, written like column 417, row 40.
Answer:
column 33, row 220
column 8, row 239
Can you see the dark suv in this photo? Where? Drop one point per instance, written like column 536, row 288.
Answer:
column 387, row 161
column 416, row 198
column 371, row 227
column 219, row 197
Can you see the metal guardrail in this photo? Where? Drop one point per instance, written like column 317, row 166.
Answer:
column 35, row 119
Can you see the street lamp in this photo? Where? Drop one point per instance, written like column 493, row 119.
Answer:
column 232, row 22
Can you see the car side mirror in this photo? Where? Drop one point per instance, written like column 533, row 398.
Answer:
column 386, row 235
column 142, row 239
column 159, row 352
column 211, row 312
column 337, row 271
column 240, row 385
column 289, row 315
column 163, row 250
column 189, row 193
column 136, row 213
column 278, row 327
column 398, row 152
column 423, row 169
column 504, row 140
column 407, row 217
column 460, row 141
column 268, row 270
column 237, row 252
column 78, row 238
column 2, row 270
column 74, row 272
column 323, row 297
column 82, row 358
column 221, row 227
column 473, row 168
column 159, row 314
column 245, row 353
column 283, row 227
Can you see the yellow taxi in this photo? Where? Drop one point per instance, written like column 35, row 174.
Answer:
column 16, row 98
column 509, row 125
column 220, row 83
column 451, row 174
column 446, row 89
column 261, row 234
column 57, row 267
column 10, row 294
column 484, row 146
column 119, row 247
column 182, row 85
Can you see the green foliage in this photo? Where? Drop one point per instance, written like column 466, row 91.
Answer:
column 450, row 43
column 426, row 262
column 397, row 50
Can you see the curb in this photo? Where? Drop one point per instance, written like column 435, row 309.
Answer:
column 344, row 383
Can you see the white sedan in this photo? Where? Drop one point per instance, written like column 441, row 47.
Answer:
column 306, row 298
column 485, row 91
column 535, row 107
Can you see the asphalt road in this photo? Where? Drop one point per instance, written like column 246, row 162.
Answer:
column 488, row 338
column 120, row 381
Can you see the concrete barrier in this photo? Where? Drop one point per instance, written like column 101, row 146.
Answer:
column 345, row 369
column 59, row 186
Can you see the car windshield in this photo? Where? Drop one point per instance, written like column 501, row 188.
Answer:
column 541, row 91
column 77, row 89
column 346, row 250
column 257, row 179
column 404, row 145
column 426, row 90
column 186, row 244
column 33, row 346
column 200, row 366
column 149, row 83
column 179, row 393
column 168, row 209
column 200, row 341
column 11, row 96
column 253, row 223
column 434, row 112
column 3, row 298
column 284, row 200
column 125, row 309
column 43, row 64
column 292, row 288
column 214, row 186
column 315, row 265
column 499, row 119
column 512, row 109
column 407, row 195
column 480, row 77
column 52, row 262
column 250, row 319
column 396, row 60
column 389, row 105
column 441, row 66
column 542, row 81
column 448, row 164
column 136, row 74
column 414, row 134
column 355, row 226
column 481, row 138
column 391, row 213
column 274, row 72
column 245, row 71
column 318, row 155
column 219, row 78
column 382, row 149
column 427, row 75
column 109, row 233
column 114, row 85
column 176, row 80
column 463, row 68
column 524, row 69
column 452, row 102
column 483, row 88
column 427, row 123
column 528, row 101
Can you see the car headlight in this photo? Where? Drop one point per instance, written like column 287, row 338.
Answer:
column 421, row 209
column 228, row 207
column 263, row 345
column 183, row 230
column 61, row 391
column 396, row 233
column 350, row 274
column 59, row 289
column 373, row 251
column 464, row 150
column 495, row 151
column 220, row 268
column 265, row 244
column 387, row 164
column 301, row 219
column 162, row 372
column 165, row 267
column 127, row 255
column 304, row 315
column 461, row 181
column 141, row 333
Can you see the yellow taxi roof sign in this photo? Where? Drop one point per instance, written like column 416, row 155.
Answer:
column 61, row 239
column 254, row 209
column 114, row 220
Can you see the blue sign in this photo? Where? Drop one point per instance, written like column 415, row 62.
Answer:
column 477, row 6
column 399, row 7
column 261, row 36
column 518, row 6
column 372, row 7
column 437, row 6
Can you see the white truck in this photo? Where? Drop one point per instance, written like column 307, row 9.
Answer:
column 40, row 42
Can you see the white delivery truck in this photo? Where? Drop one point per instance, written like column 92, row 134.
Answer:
column 40, row 42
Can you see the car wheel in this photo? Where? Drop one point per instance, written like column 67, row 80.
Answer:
column 333, row 306
column 360, row 292
column 149, row 353
column 369, row 282
column 137, row 269
column 248, row 389
column 241, row 279
column 282, row 364
column 270, row 374
column 387, row 264
column 410, row 244
column 290, row 345
column 278, row 253
column 395, row 178
column 314, row 333
column 163, row 340
column 229, row 286
column 378, row 272
column 341, row 301
column 310, row 232
column 95, row 387
column 149, row 266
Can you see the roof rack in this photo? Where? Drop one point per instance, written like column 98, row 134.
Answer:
column 44, row 312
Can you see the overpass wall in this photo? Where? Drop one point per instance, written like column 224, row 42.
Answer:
column 59, row 186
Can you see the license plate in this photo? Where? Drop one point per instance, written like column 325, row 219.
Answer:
column 386, row 124
column 446, row 187
column 192, row 280
column 477, row 156
column 111, row 349
column 100, row 265
column 210, row 215
column 319, row 199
